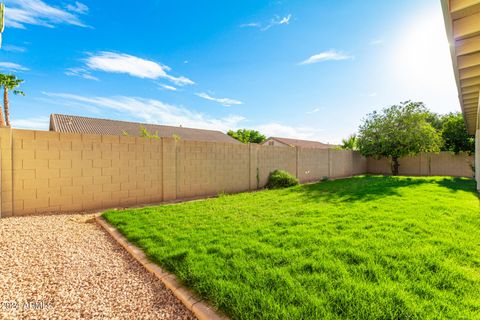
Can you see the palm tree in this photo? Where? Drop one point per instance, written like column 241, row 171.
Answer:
column 8, row 82
column 350, row 143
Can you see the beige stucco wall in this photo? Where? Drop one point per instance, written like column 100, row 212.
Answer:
column 431, row 164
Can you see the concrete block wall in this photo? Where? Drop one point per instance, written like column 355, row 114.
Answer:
column 313, row 164
column 60, row 172
column 6, row 172
column 360, row 164
column 43, row 172
column 49, row 172
column 449, row 164
column 270, row 158
column 208, row 168
column 427, row 164
column 345, row 163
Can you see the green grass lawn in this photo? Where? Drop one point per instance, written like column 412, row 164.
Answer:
column 362, row 248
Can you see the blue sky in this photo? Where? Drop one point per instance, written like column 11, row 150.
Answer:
column 307, row 69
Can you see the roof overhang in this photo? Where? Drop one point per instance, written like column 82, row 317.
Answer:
column 462, row 22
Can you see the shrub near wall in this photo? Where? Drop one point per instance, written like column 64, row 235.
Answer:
column 281, row 179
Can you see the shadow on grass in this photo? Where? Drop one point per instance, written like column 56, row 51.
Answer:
column 367, row 188
column 456, row 184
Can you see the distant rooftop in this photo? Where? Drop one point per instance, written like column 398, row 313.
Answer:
column 301, row 143
column 77, row 124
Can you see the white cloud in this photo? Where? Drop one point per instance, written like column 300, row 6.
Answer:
column 167, row 87
column 279, row 130
column 327, row 56
column 124, row 63
column 373, row 94
column 10, row 66
column 134, row 66
column 227, row 102
column 151, row 111
column 180, row 81
column 12, row 48
column 37, row 123
column 80, row 72
column 277, row 20
column 19, row 13
column 78, row 7
column 284, row 20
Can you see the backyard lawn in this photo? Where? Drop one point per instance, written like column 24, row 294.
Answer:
column 369, row 247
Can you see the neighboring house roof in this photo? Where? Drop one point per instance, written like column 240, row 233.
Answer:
column 77, row 124
column 301, row 143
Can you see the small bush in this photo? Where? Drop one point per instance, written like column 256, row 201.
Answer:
column 281, row 179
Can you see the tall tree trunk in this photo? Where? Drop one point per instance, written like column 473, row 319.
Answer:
column 6, row 106
column 2, row 120
column 395, row 166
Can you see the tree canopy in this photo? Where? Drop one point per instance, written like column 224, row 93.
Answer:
column 398, row 131
column 247, row 136
column 451, row 128
column 454, row 134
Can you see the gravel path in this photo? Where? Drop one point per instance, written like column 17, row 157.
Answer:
column 66, row 267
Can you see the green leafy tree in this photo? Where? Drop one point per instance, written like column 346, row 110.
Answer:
column 455, row 135
column 349, row 143
column 435, row 120
column 9, row 82
column 398, row 131
column 247, row 136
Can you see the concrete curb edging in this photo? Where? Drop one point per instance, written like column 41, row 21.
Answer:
column 199, row 307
